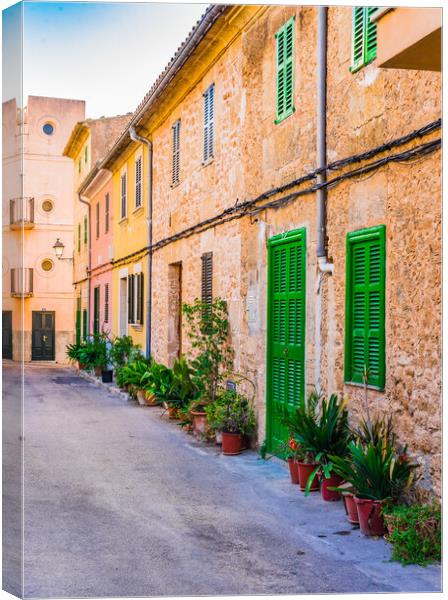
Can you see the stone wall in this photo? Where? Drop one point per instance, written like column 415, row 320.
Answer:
column 253, row 155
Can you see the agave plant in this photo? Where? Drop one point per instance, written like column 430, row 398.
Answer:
column 321, row 434
column 375, row 471
column 182, row 389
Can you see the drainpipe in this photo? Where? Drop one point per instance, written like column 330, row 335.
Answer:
column 89, row 261
column 137, row 138
column 324, row 267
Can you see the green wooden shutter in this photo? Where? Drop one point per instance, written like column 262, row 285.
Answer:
column 209, row 123
column 175, row 166
column 285, row 70
column 370, row 36
column 84, row 323
column 85, row 230
column 364, row 37
column 365, row 306
column 78, row 320
column 79, row 237
column 106, row 216
column 131, row 299
column 106, row 303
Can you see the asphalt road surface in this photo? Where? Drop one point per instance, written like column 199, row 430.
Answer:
column 120, row 502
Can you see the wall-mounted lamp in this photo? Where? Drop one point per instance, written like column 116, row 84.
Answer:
column 59, row 250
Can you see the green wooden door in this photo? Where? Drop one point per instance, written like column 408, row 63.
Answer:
column 286, row 330
column 43, row 342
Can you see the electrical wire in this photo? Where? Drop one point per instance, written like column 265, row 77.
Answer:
column 250, row 207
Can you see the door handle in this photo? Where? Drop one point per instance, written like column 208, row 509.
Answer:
column 44, row 338
column 285, row 351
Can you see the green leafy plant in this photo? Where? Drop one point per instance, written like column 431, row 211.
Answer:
column 379, row 429
column 320, row 433
column 159, row 380
column 231, row 413
column 307, row 410
column 208, row 330
column 121, row 350
column 73, row 351
column 182, row 388
column 135, row 373
column 375, row 472
column 415, row 532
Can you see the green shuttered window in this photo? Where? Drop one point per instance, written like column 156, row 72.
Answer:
column 285, row 70
column 79, row 237
column 365, row 306
column 84, row 324
column 364, row 37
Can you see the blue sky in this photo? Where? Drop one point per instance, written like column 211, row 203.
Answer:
column 105, row 53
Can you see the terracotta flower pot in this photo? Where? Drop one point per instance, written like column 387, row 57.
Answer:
column 350, row 507
column 327, row 494
column 293, row 470
column 371, row 521
column 141, row 397
column 173, row 412
column 231, row 443
column 305, row 470
column 81, row 366
column 200, row 423
column 151, row 399
column 97, row 371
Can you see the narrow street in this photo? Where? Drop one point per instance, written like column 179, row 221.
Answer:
column 121, row 502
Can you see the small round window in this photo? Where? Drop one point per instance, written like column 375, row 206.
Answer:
column 47, row 265
column 47, row 205
column 48, row 129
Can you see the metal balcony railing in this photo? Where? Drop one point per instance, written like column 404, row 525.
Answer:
column 21, row 282
column 21, row 213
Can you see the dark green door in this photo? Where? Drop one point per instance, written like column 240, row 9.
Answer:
column 286, row 330
column 43, row 336
column 7, row 334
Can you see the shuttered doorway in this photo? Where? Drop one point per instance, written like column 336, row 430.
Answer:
column 286, row 330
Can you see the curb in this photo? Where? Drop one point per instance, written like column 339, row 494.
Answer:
column 111, row 388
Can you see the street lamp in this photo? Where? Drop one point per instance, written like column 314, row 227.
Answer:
column 59, row 250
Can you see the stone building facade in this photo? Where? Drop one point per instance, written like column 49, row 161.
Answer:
column 233, row 127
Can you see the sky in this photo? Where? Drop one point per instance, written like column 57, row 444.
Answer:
column 106, row 53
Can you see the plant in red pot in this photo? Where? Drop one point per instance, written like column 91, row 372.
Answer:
column 378, row 474
column 235, row 417
column 321, row 429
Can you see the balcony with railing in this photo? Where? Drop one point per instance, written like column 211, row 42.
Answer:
column 21, row 213
column 21, row 282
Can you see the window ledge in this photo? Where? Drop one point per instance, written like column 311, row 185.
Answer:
column 208, row 161
column 137, row 210
column 123, row 220
column 175, row 185
column 361, row 385
column 285, row 116
column 136, row 326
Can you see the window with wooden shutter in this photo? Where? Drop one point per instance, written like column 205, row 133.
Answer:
column 209, row 123
column 97, row 220
column 79, row 237
column 106, row 213
column 86, row 154
column 175, row 168
column 365, row 306
column 78, row 319
column 138, row 182
column 84, row 323
column 139, row 299
column 85, row 231
column 285, row 70
column 131, row 297
column 364, row 37
column 207, row 278
column 106, row 303
column 123, row 196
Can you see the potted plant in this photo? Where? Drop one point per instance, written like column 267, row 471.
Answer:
column 182, row 389
column 235, row 417
column 301, row 460
column 376, row 473
column 74, row 353
column 208, row 330
column 321, row 432
column 135, row 375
